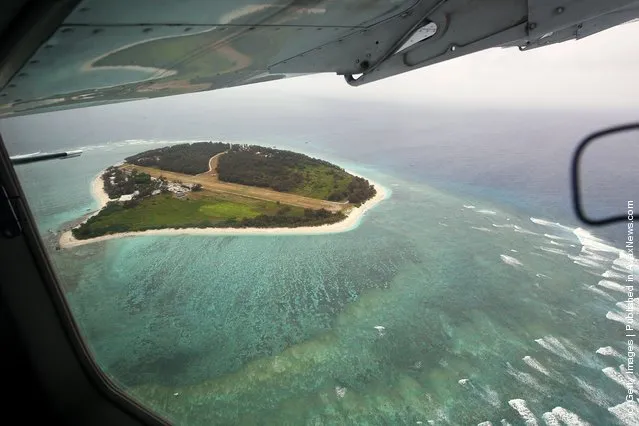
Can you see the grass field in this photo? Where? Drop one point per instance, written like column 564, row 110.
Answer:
column 226, row 209
column 167, row 211
column 211, row 183
column 320, row 181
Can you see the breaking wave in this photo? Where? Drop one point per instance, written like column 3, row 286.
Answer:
column 509, row 260
column 481, row 228
column 520, row 406
column 627, row 412
column 533, row 363
column 611, row 285
column 608, row 351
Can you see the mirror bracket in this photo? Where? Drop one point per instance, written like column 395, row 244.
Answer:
column 575, row 175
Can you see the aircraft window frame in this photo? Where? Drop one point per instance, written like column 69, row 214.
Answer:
column 78, row 389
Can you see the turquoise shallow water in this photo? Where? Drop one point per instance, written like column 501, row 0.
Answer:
column 435, row 309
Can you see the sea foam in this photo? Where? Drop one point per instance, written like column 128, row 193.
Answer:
column 598, row 291
column 627, row 412
column 553, row 250
column 510, row 260
column 568, row 417
column 525, row 378
column 613, row 274
column 617, row 376
column 481, row 228
column 550, row 419
column 490, row 396
column 524, row 231
column 554, row 237
column 505, row 225
column 519, row 405
column 621, row 317
column 611, row 285
column 532, row 362
column 565, row 349
column 555, row 225
column 608, row 351
column 594, row 394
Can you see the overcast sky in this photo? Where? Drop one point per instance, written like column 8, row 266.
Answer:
column 602, row 69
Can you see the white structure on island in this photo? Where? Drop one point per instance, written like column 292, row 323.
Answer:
column 128, row 197
column 179, row 189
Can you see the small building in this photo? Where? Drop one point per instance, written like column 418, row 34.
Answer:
column 126, row 197
column 156, row 192
column 176, row 188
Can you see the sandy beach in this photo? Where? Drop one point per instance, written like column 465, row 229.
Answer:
column 352, row 220
column 97, row 190
column 99, row 195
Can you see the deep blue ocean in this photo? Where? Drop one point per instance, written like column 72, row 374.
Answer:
column 472, row 294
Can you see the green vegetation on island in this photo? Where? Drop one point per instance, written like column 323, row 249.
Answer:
column 206, row 184
column 190, row 159
column 118, row 183
column 288, row 171
column 219, row 211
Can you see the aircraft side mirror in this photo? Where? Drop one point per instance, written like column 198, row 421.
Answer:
column 605, row 170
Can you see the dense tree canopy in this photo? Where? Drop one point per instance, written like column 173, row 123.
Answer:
column 288, row 171
column 359, row 190
column 97, row 225
column 282, row 219
column 190, row 159
column 254, row 165
column 118, row 182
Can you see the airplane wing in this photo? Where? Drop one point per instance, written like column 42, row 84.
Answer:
column 68, row 53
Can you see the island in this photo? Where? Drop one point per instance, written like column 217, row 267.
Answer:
column 221, row 188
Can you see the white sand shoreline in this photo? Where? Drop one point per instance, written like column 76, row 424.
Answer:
column 352, row 221
column 97, row 190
